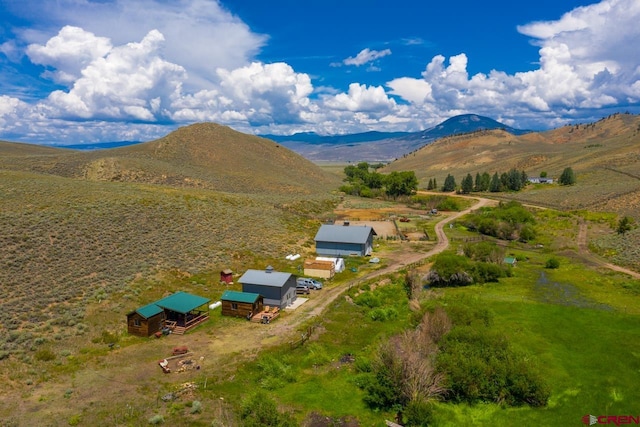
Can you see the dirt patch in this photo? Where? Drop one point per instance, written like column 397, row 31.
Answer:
column 382, row 228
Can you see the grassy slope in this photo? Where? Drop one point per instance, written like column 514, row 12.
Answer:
column 204, row 155
column 67, row 240
column 604, row 155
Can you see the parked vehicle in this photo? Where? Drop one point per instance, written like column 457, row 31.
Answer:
column 311, row 283
column 302, row 289
column 316, row 284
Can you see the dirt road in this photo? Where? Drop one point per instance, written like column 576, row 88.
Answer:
column 315, row 307
column 583, row 250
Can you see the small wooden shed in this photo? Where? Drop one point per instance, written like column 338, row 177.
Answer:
column 145, row 321
column 226, row 276
column 317, row 268
column 241, row 304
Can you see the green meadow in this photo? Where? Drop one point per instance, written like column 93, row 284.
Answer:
column 579, row 326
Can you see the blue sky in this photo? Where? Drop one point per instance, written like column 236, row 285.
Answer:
column 74, row 71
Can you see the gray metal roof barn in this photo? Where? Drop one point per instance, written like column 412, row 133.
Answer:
column 277, row 288
column 335, row 240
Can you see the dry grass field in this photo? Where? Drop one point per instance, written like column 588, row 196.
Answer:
column 79, row 226
column 605, row 157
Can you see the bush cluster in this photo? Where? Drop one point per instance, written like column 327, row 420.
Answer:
column 451, row 270
column 508, row 221
column 364, row 182
column 480, row 366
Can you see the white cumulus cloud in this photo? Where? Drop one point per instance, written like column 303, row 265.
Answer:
column 69, row 52
column 361, row 98
column 129, row 82
column 365, row 56
column 121, row 69
column 588, row 60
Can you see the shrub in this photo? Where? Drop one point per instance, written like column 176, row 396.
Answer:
column 156, row 419
column 196, row 407
column 552, row 263
column 275, row 372
column 260, row 410
column 45, row 355
column 450, row 270
column 418, row 414
column 368, row 299
column 480, row 365
column 383, row 314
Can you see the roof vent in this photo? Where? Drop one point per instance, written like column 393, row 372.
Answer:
column 269, row 269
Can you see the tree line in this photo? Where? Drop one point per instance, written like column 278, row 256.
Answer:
column 513, row 180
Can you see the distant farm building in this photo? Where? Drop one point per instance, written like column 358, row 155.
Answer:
column 316, row 268
column 226, row 276
column 540, row 180
column 340, row 240
column 241, row 304
column 277, row 288
column 338, row 263
column 178, row 312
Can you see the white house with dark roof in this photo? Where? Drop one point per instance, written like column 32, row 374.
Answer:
column 338, row 240
column 540, row 180
column 278, row 289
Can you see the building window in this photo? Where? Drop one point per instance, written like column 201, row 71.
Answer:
column 234, row 306
column 136, row 323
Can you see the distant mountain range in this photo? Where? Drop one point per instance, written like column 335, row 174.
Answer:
column 366, row 146
column 383, row 146
column 99, row 145
column 464, row 123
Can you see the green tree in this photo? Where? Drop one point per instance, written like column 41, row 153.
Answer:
column 485, row 182
column 625, row 224
column 496, row 185
column 567, row 177
column 478, row 182
column 402, row 183
column 466, row 186
column 543, row 174
column 449, row 183
column 430, row 184
column 504, row 180
column 514, row 180
column 374, row 180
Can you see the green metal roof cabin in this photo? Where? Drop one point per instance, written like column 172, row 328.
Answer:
column 241, row 304
column 179, row 312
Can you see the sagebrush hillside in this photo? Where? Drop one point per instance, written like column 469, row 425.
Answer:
column 204, row 155
column 605, row 156
column 78, row 227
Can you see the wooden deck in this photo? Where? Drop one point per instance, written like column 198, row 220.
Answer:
column 182, row 329
column 266, row 315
